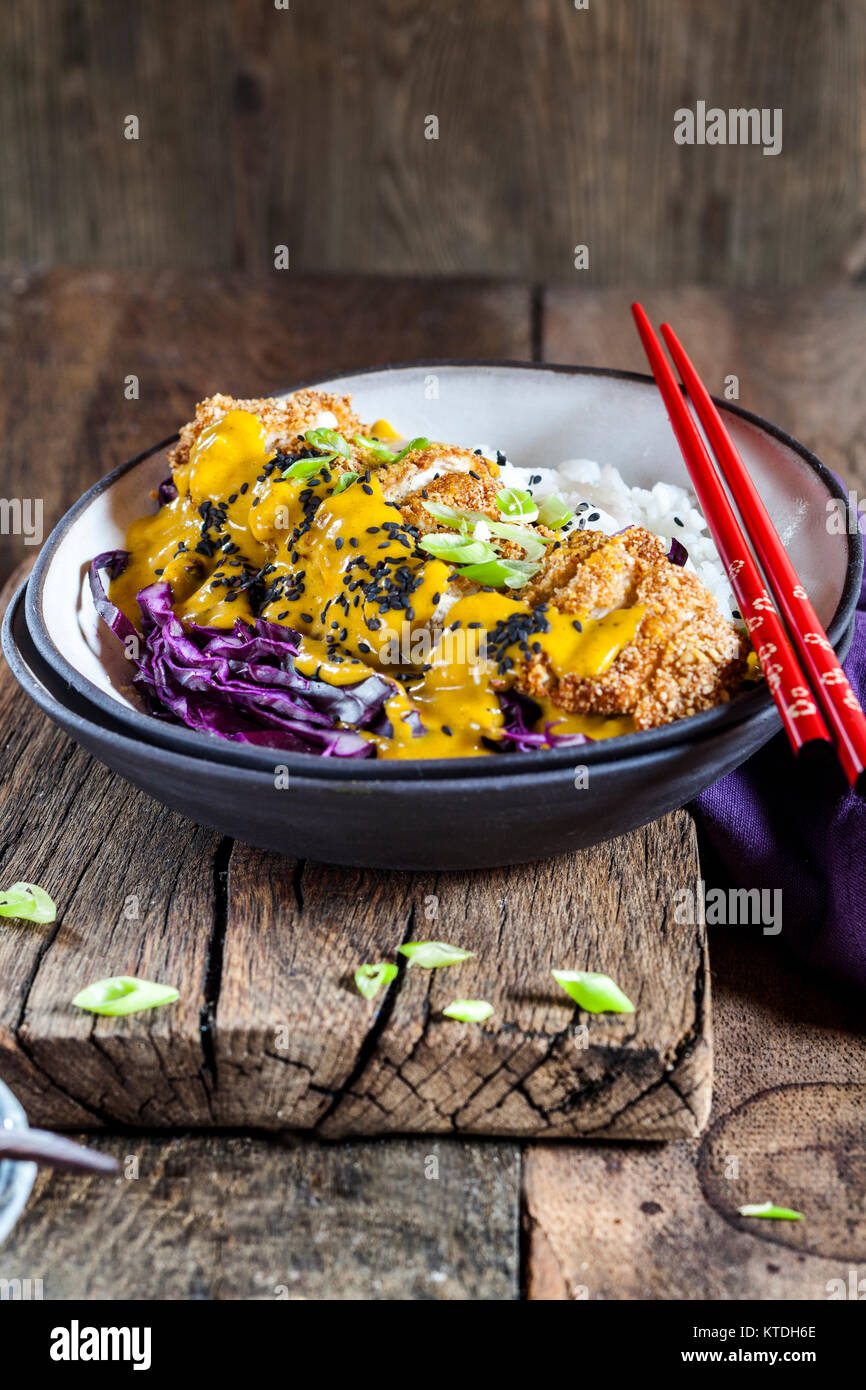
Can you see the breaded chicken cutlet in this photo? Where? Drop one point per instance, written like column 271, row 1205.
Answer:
column 684, row 657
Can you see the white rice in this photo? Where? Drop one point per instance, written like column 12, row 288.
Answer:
column 598, row 494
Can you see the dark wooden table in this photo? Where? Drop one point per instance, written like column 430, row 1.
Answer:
column 213, row 1213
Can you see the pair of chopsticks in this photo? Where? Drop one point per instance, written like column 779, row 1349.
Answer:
column 818, row 708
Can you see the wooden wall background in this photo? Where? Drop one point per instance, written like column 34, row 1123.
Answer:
column 305, row 127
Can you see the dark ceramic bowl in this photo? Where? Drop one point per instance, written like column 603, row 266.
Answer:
column 457, row 813
column 526, row 813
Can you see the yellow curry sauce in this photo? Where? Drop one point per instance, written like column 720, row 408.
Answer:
column 343, row 569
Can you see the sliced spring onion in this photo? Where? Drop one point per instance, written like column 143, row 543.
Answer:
column 305, row 468
column 123, row 994
column 380, row 452
column 500, row 574
column 533, row 544
column 345, row 480
column 458, row 549
column 369, row 979
column 27, row 901
column 453, row 514
column 419, row 443
column 768, row 1211
column 595, row 993
column 327, row 441
column 469, row 1010
column 554, row 513
column 431, row 954
column 516, row 504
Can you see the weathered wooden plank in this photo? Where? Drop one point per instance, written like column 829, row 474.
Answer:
column 797, row 356
column 789, row 1126
column 233, row 1218
column 289, row 1023
column 305, row 126
column 296, row 1046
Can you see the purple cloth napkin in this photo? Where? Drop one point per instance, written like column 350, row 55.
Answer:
column 771, row 828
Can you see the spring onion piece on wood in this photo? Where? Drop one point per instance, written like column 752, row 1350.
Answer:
column 596, row 993
column 769, row 1212
column 469, row 1010
column 28, row 902
column 369, row 979
column 554, row 513
column 516, row 504
column 123, row 994
column 431, row 954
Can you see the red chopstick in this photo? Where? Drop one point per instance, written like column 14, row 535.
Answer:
column 840, row 705
column 799, row 713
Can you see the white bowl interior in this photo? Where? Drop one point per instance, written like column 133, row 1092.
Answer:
column 535, row 416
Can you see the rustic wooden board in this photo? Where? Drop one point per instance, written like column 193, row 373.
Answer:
column 233, row 1218
column 295, row 1045
column 555, row 128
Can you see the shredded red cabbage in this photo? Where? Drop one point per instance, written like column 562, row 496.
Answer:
column 677, row 553
column 241, row 685
column 519, row 712
column 166, row 492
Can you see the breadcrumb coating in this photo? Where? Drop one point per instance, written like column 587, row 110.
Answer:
column 284, row 418
column 685, row 656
